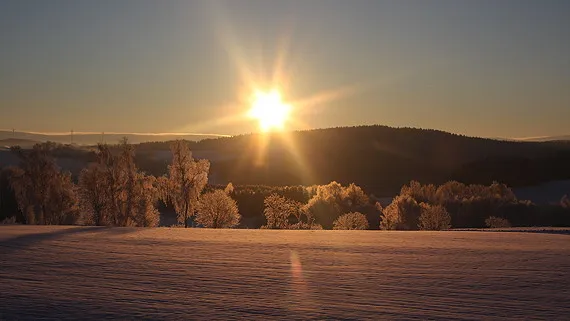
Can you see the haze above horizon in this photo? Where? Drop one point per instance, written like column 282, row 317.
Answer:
column 485, row 68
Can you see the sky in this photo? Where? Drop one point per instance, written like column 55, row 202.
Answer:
column 480, row 68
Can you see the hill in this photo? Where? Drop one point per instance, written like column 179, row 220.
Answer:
column 379, row 158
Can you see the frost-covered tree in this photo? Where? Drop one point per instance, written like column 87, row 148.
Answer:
column 402, row 214
column 113, row 191
column 44, row 194
column 351, row 221
column 186, row 180
column 324, row 210
column 329, row 201
column 217, row 210
column 277, row 210
column 95, row 195
column 353, row 196
column 229, row 188
column 434, row 218
column 284, row 213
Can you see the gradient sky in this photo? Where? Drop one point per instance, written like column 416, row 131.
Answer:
column 482, row 68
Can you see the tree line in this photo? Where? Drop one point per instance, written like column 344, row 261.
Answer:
column 113, row 191
column 380, row 159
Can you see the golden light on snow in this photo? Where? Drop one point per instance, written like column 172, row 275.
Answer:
column 269, row 110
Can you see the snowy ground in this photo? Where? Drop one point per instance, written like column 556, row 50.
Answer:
column 126, row 273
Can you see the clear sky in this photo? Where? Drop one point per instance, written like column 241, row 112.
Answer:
column 483, row 68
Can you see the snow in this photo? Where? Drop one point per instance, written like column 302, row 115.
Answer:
column 169, row 274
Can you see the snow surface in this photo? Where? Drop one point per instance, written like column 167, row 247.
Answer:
column 169, row 274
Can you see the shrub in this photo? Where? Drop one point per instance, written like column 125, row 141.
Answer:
column 497, row 222
column 351, row 221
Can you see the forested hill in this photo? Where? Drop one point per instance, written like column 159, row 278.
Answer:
column 379, row 158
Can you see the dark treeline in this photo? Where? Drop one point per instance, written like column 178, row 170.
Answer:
column 468, row 206
column 113, row 191
column 380, row 159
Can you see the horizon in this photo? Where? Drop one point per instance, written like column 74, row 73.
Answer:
column 485, row 69
column 218, row 135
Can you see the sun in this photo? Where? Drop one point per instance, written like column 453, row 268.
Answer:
column 269, row 110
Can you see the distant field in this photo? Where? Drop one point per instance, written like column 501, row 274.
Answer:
column 169, row 274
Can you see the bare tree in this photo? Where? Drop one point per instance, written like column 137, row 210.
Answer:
column 186, row 180
column 351, row 221
column 434, row 218
column 217, row 210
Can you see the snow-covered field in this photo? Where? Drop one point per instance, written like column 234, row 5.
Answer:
column 126, row 273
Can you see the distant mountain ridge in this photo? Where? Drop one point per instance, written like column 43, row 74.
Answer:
column 9, row 138
column 80, row 138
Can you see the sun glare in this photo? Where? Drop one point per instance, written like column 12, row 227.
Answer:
column 269, row 110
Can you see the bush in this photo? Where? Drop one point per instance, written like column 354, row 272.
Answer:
column 351, row 221
column 434, row 218
column 497, row 222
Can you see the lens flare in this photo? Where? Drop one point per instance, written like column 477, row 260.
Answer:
column 269, row 109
